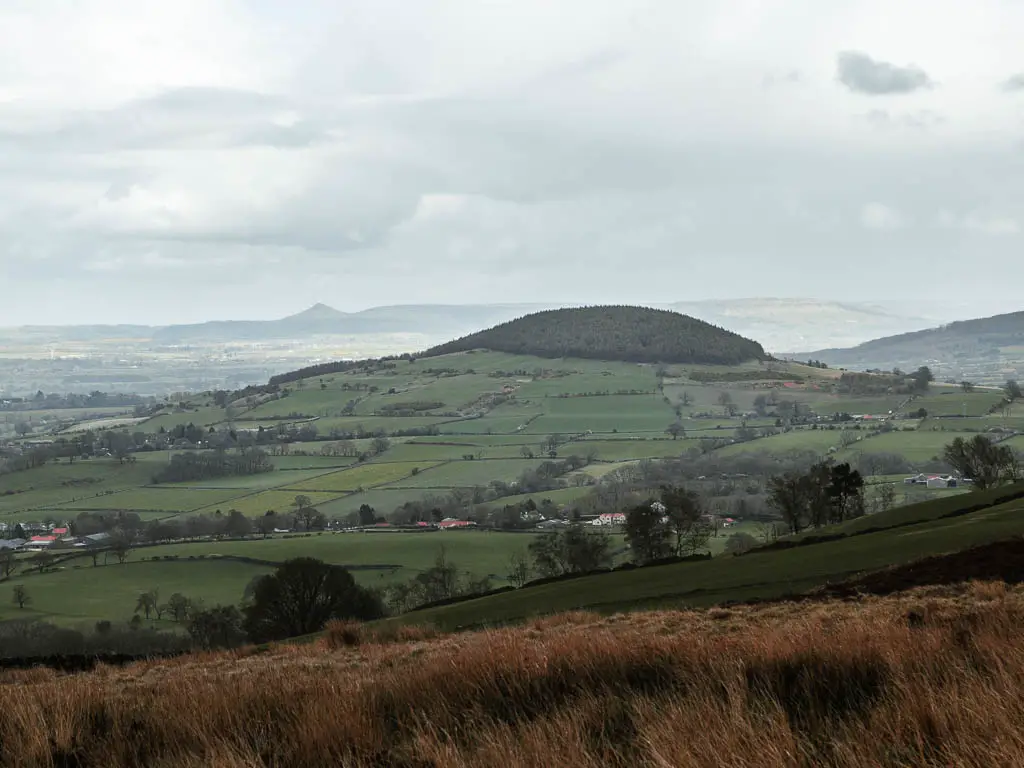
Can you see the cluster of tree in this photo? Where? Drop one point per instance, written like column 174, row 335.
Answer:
column 219, row 463
column 442, row 581
column 178, row 608
column 885, row 382
column 826, row 493
column 576, row 549
column 127, row 530
column 636, row 334
column 985, row 463
column 673, row 524
column 298, row 598
column 410, row 408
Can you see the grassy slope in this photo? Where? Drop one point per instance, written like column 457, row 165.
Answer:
column 78, row 591
column 832, row 683
column 758, row 575
column 62, row 491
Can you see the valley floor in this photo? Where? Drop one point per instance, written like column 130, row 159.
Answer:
column 927, row 677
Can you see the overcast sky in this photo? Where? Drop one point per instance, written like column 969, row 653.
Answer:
column 205, row 159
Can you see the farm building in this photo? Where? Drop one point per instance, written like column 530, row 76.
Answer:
column 610, row 518
column 452, row 523
column 38, row 543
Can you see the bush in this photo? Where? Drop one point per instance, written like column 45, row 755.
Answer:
column 302, row 595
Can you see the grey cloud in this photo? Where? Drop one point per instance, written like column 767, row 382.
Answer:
column 792, row 77
column 863, row 74
column 1014, row 83
column 921, row 120
column 180, row 118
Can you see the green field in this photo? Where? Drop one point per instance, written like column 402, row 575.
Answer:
column 420, row 453
column 80, row 592
column 615, row 430
column 259, row 503
column 800, row 439
column 163, row 499
column 531, row 409
column 723, row 579
column 363, row 476
column 954, row 402
column 916, row 446
column 619, row 450
column 463, row 474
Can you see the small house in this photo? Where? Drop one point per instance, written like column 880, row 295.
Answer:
column 610, row 518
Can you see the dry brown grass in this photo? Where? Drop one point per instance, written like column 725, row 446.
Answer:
column 932, row 677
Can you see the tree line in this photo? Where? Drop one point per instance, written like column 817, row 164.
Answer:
column 219, row 463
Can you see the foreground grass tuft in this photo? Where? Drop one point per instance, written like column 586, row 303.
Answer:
column 838, row 683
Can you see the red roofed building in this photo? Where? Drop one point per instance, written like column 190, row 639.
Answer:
column 455, row 524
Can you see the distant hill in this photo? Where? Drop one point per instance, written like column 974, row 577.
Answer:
column 783, row 324
column 990, row 347
column 635, row 334
column 780, row 324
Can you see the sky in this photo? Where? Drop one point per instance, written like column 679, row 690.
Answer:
column 219, row 159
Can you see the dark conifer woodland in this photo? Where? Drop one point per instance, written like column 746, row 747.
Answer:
column 634, row 334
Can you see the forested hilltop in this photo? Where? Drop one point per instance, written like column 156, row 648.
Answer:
column 633, row 334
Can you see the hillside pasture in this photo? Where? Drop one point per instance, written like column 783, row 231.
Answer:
column 362, row 476
column 280, row 501
column 81, row 593
column 817, row 440
column 296, row 461
column 759, row 575
column 466, row 474
column 503, row 420
column 625, row 413
column 955, row 402
column 153, row 499
column 426, row 452
column 252, row 483
column 53, row 484
column 383, row 500
column 200, row 416
column 619, row 450
column 914, row 445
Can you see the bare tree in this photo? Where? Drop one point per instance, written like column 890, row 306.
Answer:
column 8, row 562
column 20, row 596
column 725, row 400
column 987, row 464
column 43, row 560
column 885, row 497
column 147, row 602
column 519, row 568
column 121, row 545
